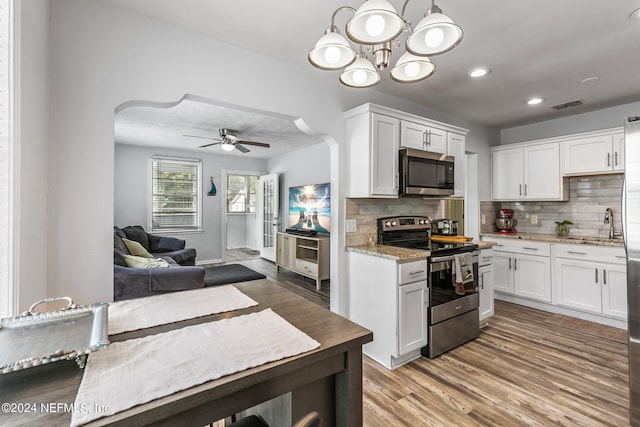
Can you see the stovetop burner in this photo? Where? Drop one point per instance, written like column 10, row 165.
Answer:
column 414, row 232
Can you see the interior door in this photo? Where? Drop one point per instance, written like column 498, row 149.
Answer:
column 268, row 215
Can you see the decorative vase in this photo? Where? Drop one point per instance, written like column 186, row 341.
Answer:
column 562, row 230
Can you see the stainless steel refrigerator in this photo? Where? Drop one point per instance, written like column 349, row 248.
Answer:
column 631, row 228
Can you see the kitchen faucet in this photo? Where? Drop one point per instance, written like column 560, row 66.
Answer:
column 608, row 219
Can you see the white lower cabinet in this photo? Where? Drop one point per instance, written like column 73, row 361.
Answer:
column 390, row 298
column 522, row 269
column 485, row 281
column 591, row 279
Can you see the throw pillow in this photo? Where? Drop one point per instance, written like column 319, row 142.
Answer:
column 136, row 248
column 140, row 262
column 137, row 233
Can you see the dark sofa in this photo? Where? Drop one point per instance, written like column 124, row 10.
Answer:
column 138, row 282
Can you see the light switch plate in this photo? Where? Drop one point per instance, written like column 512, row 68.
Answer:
column 351, row 226
column 534, row 219
column 483, row 219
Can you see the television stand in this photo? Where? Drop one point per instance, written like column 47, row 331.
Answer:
column 305, row 255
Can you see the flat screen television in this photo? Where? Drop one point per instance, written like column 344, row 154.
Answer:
column 310, row 208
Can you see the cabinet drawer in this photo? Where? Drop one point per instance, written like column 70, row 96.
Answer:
column 306, row 266
column 410, row 272
column 486, row 257
column 589, row 252
column 523, row 247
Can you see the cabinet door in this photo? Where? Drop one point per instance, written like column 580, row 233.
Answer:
column 614, row 291
column 618, row 152
column 456, row 148
column 412, row 317
column 436, row 140
column 384, row 155
column 486, row 291
column 413, row 135
column 541, row 172
column 503, row 272
column 506, row 174
column 286, row 250
column 532, row 277
column 587, row 155
column 576, row 285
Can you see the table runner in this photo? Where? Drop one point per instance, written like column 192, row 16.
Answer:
column 140, row 313
column 132, row 372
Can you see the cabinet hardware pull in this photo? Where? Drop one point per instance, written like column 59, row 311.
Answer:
column 615, row 161
column 608, row 159
column 413, row 273
column 515, row 264
column 621, row 257
column 525, row 189
column 482, row 281
column 596, row 275
column 604, row 276
column 424, row 138
column 458, row 307
column 499, row 245
column 531, row 249
column 509, row 263
column 576, row 253
column 520, row 191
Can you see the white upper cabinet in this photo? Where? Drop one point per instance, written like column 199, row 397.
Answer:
column 529, row 172
column 597, row 152
column 375, row 134
column 423, row 137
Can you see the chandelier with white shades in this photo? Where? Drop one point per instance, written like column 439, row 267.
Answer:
column 376, row 24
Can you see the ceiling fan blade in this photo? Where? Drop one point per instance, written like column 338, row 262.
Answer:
column 209, row 145
column 257, row 144
column 242, row 148
column 203, row 137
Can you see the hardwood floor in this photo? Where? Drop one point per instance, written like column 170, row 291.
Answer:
column 527, row 368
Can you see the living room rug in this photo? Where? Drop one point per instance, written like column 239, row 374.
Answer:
column 229, row 273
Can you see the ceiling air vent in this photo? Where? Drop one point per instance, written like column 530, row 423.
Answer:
column 567, row 104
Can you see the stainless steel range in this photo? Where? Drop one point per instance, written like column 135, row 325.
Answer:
column 453, row 317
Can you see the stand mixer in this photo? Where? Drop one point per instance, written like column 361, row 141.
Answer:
column 505, row 222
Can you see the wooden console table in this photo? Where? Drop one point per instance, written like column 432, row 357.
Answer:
column 305, row 255
column 327, row 380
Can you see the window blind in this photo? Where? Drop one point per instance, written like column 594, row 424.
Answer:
column 175, row 195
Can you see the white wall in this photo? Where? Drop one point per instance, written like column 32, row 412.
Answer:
column 32, row 152
column 130, row 193
column 102, row 56
column 595, row 120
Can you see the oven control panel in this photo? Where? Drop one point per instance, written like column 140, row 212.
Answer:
column 399, row 223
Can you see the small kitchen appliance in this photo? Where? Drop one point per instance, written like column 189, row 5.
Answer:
column 444, row 227
column 505, row 222
column 452, row 313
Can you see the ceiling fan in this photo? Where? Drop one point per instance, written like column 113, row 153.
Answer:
column 229, row 140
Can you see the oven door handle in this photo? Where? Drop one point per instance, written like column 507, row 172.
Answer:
column 433, row 260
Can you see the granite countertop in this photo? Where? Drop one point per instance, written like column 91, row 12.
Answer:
column 402, row 254
column 552, row 238
column 390, row 252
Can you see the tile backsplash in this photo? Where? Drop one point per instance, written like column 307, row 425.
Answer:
column 367, row 211
column 589, row 197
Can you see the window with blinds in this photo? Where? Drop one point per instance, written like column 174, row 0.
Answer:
column 176, row 203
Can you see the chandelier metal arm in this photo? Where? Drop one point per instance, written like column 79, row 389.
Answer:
column 333, row 17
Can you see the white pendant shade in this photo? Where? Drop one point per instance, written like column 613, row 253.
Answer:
column 435, row 34
column 376, row 21
column 361, row 73
column 331, row 52
column 411, row 68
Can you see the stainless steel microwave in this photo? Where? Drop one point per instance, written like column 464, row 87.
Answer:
column 423, row 173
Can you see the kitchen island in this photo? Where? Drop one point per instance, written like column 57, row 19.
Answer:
column 327, row 380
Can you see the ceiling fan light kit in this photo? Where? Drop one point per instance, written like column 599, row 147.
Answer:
column 376, row 24
column 229, row 141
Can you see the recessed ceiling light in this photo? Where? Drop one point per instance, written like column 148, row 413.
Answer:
column 480, row 72
column 535, row 101
column 635, row 15
column 590, row 80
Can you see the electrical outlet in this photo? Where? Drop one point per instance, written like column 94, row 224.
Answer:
column 351, row 226
column 483, row 219
column 534, row 219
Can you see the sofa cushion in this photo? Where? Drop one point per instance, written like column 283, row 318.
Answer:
column 141, row 262
column 136, row 249
column 183, row 257
column 165, row 244
column 137, row 233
